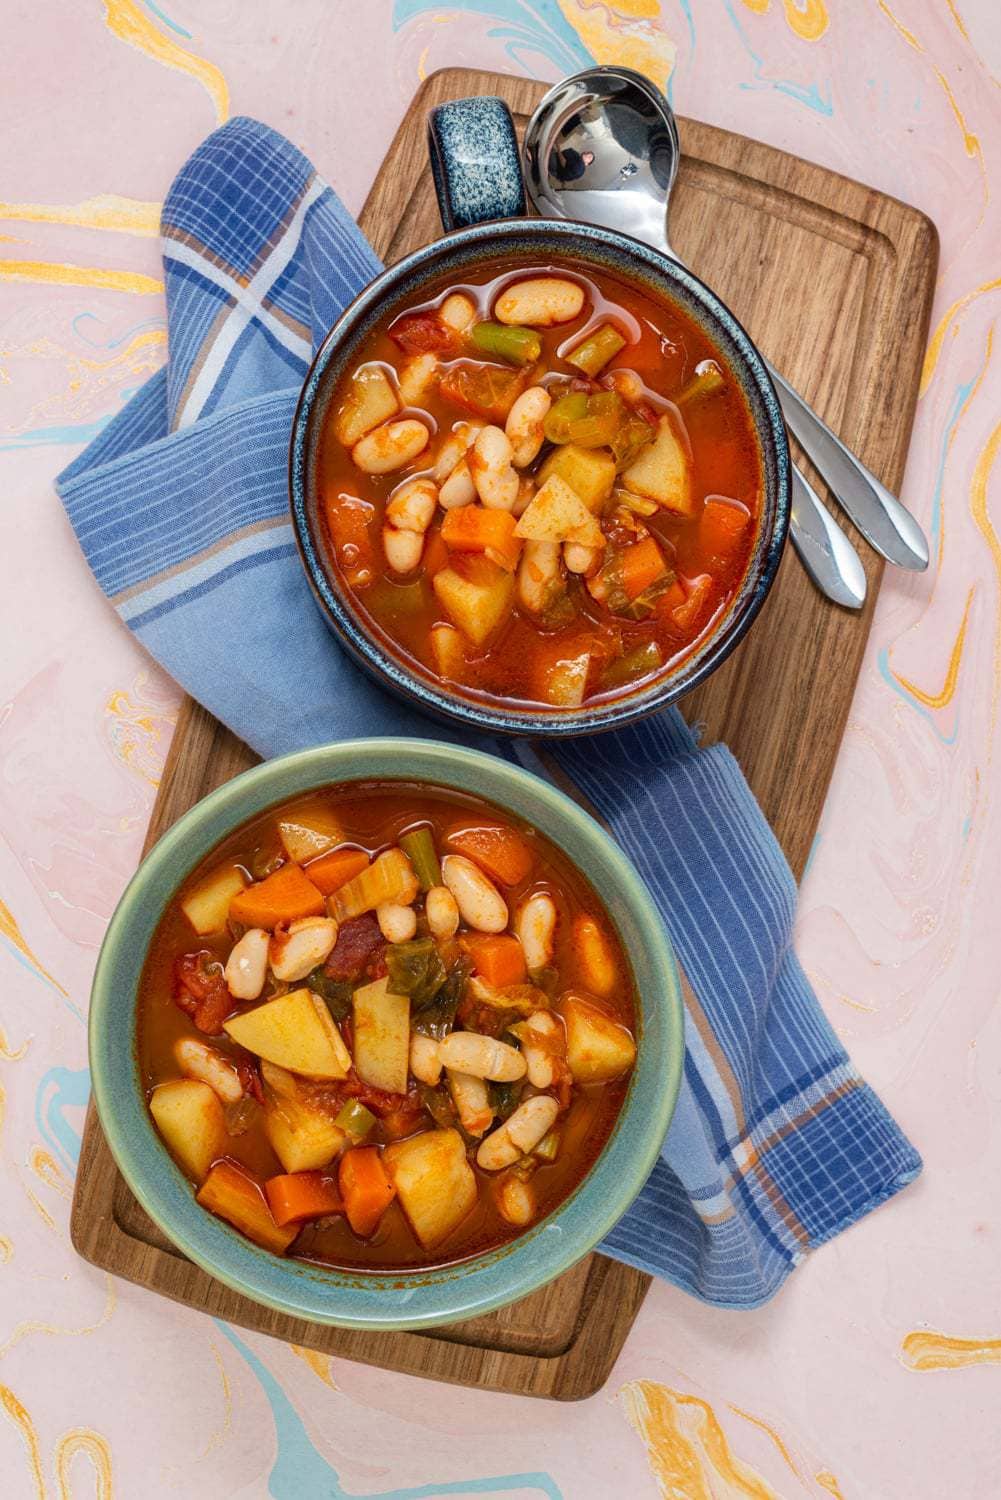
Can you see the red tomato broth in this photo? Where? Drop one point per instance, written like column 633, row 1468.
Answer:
column 665, row 349
column 373, row 816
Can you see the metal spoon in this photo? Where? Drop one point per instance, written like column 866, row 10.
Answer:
column 603, row 147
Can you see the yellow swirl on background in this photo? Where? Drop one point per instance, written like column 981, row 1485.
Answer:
column 318, row 1363
column 939, row 1351
column 687, row 1448
column 105, row 211
column 22, row 1421
column 65, row 274
column 10, row 930
column 84, row 1440
column 938, row 337
column 125, row 20
column 618, row 31
column 940, row 700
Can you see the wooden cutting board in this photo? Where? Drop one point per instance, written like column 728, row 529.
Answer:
column 835, row 283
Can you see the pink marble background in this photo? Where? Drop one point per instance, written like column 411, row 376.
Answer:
column 876, row 1374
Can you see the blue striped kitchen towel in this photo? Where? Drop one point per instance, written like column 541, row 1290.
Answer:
column 180, row 508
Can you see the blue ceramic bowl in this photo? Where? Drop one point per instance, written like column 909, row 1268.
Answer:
column 396, row 1300
column 477, row 174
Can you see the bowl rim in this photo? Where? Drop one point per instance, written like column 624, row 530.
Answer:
column 355, row 1299
column 392, row 671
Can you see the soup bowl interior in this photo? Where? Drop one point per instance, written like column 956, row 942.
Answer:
column 443, row 1293
column 533, row 243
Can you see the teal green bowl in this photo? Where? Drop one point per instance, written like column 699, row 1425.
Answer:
column 446, row 1294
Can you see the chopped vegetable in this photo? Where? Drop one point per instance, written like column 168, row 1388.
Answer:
column 641, row 565
column 369, row 401
column 207, row 904
column 437, row 1019
column 199, row 988
column 708, row 380
column 597, row 349
column 522, row 346
column 438, row 1103
column 473, row 528
column 356, row 1121
column 335, row 993
column 418, row 846
column 366, row 1189
column 415, row 969
column 590, row 472
column 435, row 1182
column 422, row 333
column 382, row 1037
column 587, row 421
column 635, row 504
column 349, row 522
column 231, row 1192
column 501, row 852
column 331, row 871
column 190, row 1117
column 488, row 390
column 562, row 675
column 548, row 1148
column 722, row 525
column 390, row 877
column 631, row 437
column 297, row 1032
column 598, row 1047
column 308, row 834
column 478, row 599
column 662, row 472
column 302, row 1136
column 639, row 662
column 359, row 941
column 505, row 1097
column 285, row 896
column 685, row 615
column 297, row 1196
column 498, row 958
column 556, row 513
column 594, row 957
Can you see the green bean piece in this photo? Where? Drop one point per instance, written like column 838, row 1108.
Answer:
column 707, row 381
column 418, row 846
column 415, row 969
column 597, row 349
column 562, row 414
column 637, row 663
column 335, row 993
column 519, row 346
column 355, row 1120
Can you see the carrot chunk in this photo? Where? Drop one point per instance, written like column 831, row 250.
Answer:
column 349, row 522
column 366, row 1189
column 721, row 526
column 501, row 852
column 473, row 528
column 231, row 1192
column 435, row 554
column 283, row 897
column 330, row 871
column 686, row 615
column 296, row 1196
column 498, row 958
column 642, row 564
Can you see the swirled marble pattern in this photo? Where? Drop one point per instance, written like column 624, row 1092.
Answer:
column 875, row 1374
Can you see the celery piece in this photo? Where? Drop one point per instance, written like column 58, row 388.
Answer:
column 355, row 1120
column 588, row 421
column 637, row 663
column 707, row 381
column 597, row 349
column 562, row 414
column 520, row 346
column 549, row 1147
column 418, row 846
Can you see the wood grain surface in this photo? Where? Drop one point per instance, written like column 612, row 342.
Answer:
column 834, row 281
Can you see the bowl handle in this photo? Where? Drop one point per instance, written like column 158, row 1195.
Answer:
column 475, row 162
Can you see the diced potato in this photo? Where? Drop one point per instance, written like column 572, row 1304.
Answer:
column 478, row 599
column 598, row 1048
column 595, row 960
column 434, row 1182
column 306, row 835
column 565, row 678
column 297, row 1032
column 231, row 1192
column 370, row 400
column 190, row 1118
column 590, row 472
column 303, row 1138
column 556, row 513
column 382, row 1037
column 448, row 652
column 206, row 906
column 663, row 471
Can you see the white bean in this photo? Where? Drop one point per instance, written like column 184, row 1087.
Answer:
column 457, row 312
column 472, row 1101
column 581, row 559
column 496, row 480
column 541, row 1038
column 458, row 488
column 481, row 1056
column 537, row 572
column 524, row 424
column 518, row 1134
column 198, row 1060
column 480, row 903
column 441, row 909
column 411, row 507
column 516, row 1201
column 247, row 965
column 417, row 376
column 296, row 953
column 403, row 549
column 453, row 448
column 425, row 1064
column 535, row 924
column 390, row 447
column 396, row 923
column 540, row 301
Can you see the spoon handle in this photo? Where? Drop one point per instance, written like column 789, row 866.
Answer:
column 879, row 515
column 825, row 552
